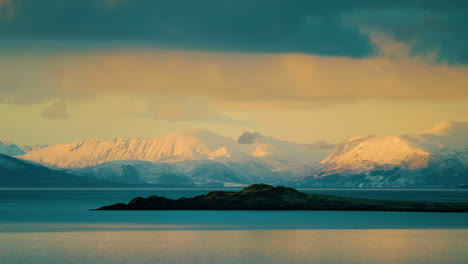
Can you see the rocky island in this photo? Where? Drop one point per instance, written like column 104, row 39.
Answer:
column 267, row 197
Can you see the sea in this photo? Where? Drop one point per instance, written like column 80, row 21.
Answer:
column 56, row 226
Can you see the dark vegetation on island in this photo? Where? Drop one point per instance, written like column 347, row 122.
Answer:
column 267, row 197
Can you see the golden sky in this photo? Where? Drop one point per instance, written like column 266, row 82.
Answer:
column 58, row 94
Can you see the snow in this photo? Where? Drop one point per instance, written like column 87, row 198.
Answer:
column 358, row 154
column 452, row 135
column 201, row 157
column 177, row 147
column 382, row 150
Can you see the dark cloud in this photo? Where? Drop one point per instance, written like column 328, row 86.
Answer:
column 433, row 27
column 444, row 35
column 260, row 26
column 246, row 26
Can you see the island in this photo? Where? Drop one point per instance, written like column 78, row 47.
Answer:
column 267, row 197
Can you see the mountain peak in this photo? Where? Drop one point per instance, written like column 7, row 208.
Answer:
column 249, row 138
column 360, row 154
column 184, row 145
column 445, row 128
column 444, row 135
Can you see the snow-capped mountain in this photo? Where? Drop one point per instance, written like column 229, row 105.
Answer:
column 176, row 147
column 10, row 149
column 179, row 146
column 198, row 155
column 436, row 157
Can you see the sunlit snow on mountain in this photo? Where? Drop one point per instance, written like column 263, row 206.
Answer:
column 436, row 157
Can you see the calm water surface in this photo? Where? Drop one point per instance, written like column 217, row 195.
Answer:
column 56, row 226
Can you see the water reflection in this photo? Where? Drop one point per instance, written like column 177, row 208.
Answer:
column 237, row 246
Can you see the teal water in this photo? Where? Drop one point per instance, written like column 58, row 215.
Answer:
column 56, row 226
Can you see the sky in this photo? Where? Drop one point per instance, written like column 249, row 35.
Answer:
column 297, row 70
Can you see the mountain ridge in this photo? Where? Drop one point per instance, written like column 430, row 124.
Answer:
column 194, row 156
column 175, row 147
column 396, row 161
column 197, row 157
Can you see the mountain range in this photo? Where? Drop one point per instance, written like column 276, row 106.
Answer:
column 188, row 158
column 434, row 158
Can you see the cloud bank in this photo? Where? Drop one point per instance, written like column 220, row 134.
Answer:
column 325, row 28
column 194, row 60
column 224, row 78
